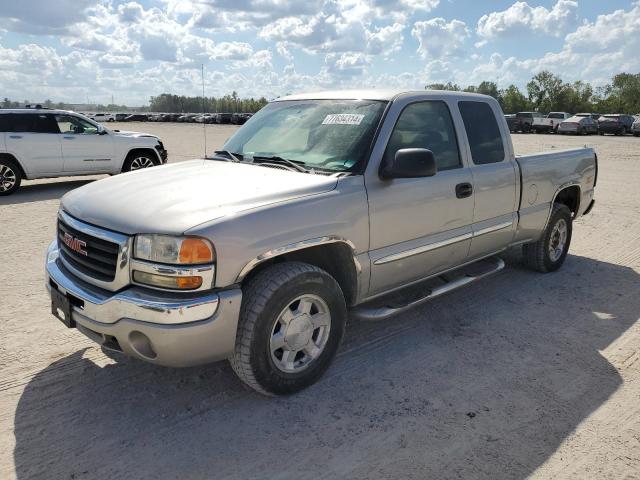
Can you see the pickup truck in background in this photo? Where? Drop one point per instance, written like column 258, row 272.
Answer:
column 362, row 203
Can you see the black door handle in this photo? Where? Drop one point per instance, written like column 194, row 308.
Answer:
column 464, row 190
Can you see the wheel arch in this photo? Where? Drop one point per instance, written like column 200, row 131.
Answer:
column 569, row 196
column 335, row 255
column 134, row 150
column 8, row 156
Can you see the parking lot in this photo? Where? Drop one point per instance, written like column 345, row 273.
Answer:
column 521, row 374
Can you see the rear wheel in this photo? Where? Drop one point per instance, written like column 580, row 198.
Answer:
column 291, row 324
column 548, row 253
column 10, row 177
column 138, row 161
column 526, row 128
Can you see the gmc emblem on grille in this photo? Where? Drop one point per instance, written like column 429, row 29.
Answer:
column 75, row 244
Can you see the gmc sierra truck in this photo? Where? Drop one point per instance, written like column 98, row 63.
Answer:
column 325, row 205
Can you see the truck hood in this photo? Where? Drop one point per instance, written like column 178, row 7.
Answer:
column 174, row 198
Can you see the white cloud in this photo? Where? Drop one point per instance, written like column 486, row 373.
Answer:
column 437, row 37
column 37, row 17
column 520, row 18
column 346, row 64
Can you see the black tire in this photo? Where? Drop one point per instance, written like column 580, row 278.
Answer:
column 600, row 133
column 133, row 159
column 265, row 297
column 526, row 128
column 10, row 177
column 537, row 254
column 583, row 131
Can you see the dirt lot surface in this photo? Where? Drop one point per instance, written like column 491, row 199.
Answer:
column 520, row 375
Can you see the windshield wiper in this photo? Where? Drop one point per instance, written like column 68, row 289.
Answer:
column 232, row 156
column 282, row 161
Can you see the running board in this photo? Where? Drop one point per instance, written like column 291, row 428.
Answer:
column 377, row 310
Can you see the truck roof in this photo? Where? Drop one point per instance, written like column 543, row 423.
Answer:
column 375, row 94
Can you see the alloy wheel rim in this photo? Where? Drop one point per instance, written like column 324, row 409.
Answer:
column 300, row 333
column 558, row 240
column 141, row 162
column 7, row 178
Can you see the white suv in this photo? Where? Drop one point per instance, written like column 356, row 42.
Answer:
column 103, row 117
column 42, row 143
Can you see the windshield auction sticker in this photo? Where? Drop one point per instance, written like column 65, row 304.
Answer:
column 343, row 119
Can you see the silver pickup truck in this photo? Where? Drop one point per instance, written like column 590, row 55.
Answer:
column 325, row 205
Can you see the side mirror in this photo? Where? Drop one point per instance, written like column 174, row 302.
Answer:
column 101, row 130
column 410, row 163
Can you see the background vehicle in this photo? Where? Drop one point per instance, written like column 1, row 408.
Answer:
column 240, row 118
column 136, row 117
column 103, row 117
column 120, row 117
column 557, row 118
column 616, row 123
column 223, row 118
column 595, row 116
column 578, row 126
column 321, row 203
column 524, row 121
column 635, row 127
column 39, row 143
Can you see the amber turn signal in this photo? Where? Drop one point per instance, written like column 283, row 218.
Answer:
column 166, row 281
column 195, row 250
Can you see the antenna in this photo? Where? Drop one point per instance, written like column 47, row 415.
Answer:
column 204, row 124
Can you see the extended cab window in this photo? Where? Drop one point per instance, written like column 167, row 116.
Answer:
column 71, row 124
column 483, row 132
column 427, row 125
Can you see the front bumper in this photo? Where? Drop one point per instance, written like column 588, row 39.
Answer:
column 167, row 329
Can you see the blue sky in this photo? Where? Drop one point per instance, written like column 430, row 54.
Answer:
column 74, row 50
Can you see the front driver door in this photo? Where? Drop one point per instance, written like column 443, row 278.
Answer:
column 419, row 226
column 83, row 148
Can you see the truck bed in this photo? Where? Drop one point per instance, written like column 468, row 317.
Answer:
column 543, row 175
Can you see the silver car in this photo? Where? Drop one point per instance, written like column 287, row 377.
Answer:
column 578, row 126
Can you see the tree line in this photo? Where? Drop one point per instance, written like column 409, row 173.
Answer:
column 167, row 102
column 547, row 92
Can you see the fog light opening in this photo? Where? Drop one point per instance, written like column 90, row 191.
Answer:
column 142, row 345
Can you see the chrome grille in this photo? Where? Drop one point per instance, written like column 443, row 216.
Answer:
column 101, row 257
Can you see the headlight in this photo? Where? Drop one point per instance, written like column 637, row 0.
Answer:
column 173, row 250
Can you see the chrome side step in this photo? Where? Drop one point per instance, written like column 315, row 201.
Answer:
column 376, row 310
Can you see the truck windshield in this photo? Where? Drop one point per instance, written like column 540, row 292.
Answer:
column 333, row 135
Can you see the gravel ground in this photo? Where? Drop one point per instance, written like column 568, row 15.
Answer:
column 520, row 375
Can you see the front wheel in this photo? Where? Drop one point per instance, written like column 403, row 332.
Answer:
column 291, row 324
column 548, row 253
column 138, row 161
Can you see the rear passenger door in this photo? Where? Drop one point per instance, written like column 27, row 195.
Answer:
column 494, row 178
column 32, row 138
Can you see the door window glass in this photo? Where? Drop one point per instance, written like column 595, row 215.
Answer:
column 27, row 123
column 70, row 124
column 483, row 132
column 426, row 125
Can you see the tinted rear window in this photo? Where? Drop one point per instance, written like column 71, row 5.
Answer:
column 483, row 132
column 28, row 123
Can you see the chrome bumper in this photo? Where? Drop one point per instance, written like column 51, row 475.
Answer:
column 167, row 329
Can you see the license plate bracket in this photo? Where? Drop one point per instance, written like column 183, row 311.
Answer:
column 61, row 308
